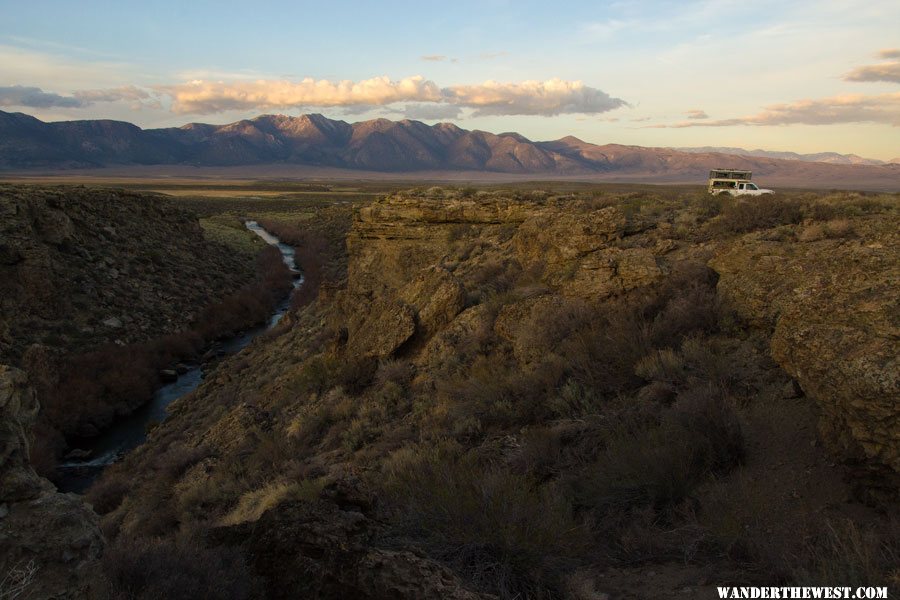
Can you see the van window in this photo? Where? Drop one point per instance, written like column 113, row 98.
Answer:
column 741, row 186
column 752, row 186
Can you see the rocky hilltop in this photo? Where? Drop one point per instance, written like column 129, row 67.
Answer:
column 382, row 145
column 547, row 395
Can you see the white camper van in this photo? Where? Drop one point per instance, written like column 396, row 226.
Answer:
column 734, row 183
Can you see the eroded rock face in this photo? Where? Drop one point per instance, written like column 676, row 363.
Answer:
column 54, row 535
column 559, row 238
column 426, row 254
column 834, row 312
column 577, row 255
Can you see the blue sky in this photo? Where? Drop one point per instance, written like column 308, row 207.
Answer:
column 802, row 76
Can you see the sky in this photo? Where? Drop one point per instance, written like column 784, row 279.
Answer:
column 795, row 76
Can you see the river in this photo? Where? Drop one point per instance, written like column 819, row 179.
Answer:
column 129, row 432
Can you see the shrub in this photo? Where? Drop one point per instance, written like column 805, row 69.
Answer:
column 843, row 552
column 355, row 374
column 574, row 400
column 665, row 366
column 398, row 372
column 142, row 569
column 838, row 228
column 812, row 233
column 707, row 206
column 761, row 213
column 177, row 459
column 693, row 309
column 706, row 415
column 493, row 277
column 107, row 493
column 660, row 464
column 499, row 394
column 500, row 530
column 316, row 375
column 17, row 579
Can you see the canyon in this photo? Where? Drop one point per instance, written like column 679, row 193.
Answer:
column 510, row 393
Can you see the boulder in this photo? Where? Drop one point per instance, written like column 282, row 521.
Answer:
column 436, row 296
column 381, row 328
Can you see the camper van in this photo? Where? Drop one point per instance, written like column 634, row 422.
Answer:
column 734, row 182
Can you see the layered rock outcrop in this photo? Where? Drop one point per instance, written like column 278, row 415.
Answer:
column 834, row 312
column 415, row 261
column 50, row 543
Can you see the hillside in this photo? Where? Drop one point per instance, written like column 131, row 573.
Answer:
column 103, row 289
column 100, row 289
column 81, row 267
column 384, row 146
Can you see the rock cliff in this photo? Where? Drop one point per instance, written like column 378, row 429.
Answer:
column 50, row 543
column 834, row 313
column 431, row 256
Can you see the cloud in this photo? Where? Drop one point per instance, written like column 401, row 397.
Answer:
column 696, row 113
column 889, row 71
column 547, row 98
column 851, row 108
column 492, row 55
column 34, row 97
column 203, row 97
column 438, row 58
column 889, row 53
column 18, row 95
column 128, row 92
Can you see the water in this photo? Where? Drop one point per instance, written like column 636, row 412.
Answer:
column 129, row 432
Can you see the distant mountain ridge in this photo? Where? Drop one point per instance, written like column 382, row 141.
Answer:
column 382, row 145
column 834, row 158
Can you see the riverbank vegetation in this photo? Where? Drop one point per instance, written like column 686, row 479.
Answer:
column 92, row 389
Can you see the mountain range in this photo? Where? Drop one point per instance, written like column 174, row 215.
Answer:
column 385, row 146
column 826, row 157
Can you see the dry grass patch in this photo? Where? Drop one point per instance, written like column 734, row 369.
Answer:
column 253, row 504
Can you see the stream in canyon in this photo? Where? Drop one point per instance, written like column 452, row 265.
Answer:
column 128, row 432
